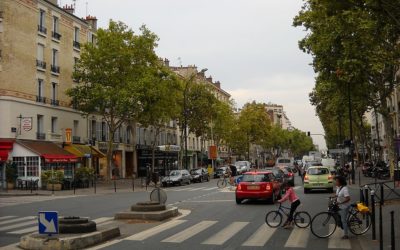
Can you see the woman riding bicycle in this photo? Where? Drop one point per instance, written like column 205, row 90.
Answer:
column 343, row 200
column 295, row 202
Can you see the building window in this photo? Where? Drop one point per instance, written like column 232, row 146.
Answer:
column 54, row 125
column 75, row 135
column 55, row 34
column 32, row 166
column 54, row 100
column 103, row 131
column 40, row 129
column 76, row 43
column 54, row 62
column 20, row 163
column 40, row 63
column 42, row 22
column 40, row 87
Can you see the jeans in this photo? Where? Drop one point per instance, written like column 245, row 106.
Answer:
column 343, row 216
column 293, row 208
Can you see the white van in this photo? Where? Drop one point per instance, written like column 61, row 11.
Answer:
column 283, row 161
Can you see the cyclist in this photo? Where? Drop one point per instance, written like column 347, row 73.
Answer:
column 233, row 171
column 343, row 201
column 295, row 202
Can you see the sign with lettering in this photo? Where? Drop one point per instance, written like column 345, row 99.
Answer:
column 212, row 152
column 26, row 123
column 68, row 136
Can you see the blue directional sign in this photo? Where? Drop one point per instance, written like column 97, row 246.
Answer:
column 48, row 222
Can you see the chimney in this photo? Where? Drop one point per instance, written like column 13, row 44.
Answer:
column 69, row 8
column 166, row 62
column 92, row 20
column 218, row 84
column 209, row 79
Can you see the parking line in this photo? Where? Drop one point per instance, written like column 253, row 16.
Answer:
column 260, row 237
column 222, row 236
column 190, row 232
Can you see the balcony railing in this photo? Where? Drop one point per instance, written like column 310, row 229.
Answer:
column 42, row 29
column 76, row 139
column 55, row 69
column 40, row 136
column 54, row 102
column 40, row 99
column 40, row 64
column 55, row 35
column 76, row 45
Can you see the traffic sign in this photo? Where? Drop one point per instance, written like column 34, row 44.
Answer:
column 48, row 222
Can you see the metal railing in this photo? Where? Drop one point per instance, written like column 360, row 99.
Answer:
column 40, row 99
column 76, row 139
column 42, row 29
column 55, row 69
column 54, row 102
column 76, row 44
column 55, row 35
column 40, row 64
column 40, row 136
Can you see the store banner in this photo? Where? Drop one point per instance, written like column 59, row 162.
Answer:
column 212, row 152
column 68, row 135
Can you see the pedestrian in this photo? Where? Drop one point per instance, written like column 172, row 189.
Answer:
column 343, row 201
column 290, row 195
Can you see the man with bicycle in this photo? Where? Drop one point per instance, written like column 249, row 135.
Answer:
column 343, row 200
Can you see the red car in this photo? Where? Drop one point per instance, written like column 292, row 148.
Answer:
column 258, row 185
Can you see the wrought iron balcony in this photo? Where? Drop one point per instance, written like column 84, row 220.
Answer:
column 76, row 139
column 40, row 64
column 40, row 99
column 76, row 44
column 54, row 102
column 40, row 136
column 55, row 69
column 55, row 35
column 42, row 29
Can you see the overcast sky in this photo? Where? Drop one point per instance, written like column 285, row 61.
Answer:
column 248, row 45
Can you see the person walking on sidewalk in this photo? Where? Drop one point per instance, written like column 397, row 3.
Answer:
column 343, row 201
column 295, row 202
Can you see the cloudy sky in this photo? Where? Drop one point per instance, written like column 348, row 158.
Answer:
column 248, row 45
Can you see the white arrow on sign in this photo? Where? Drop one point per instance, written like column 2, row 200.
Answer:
column 50, row 225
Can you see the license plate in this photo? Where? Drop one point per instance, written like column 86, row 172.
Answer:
column 253, row 187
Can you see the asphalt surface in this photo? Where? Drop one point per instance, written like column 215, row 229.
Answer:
column 213, row 220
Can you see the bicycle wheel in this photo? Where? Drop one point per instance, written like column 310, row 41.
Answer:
column 273, row 219
column 323, row 225
column 302, row 219
column 221, row 183
column 359, row 223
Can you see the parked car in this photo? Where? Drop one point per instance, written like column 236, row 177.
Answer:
column 289, row 174
column 258, row 185
column 199, row 175
column 279, row 174
column 220, row 172
column 243, row 166
column 175, row 177
column 318, row 177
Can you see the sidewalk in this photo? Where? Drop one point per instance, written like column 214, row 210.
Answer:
column 121, row 185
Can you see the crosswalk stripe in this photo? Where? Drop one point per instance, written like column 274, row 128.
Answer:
column 227, row 233
column 25, row 231
column 260, row 237
column 208, row 189
column 22, row 224
column 16, row 220
column 190, row 232
column 155, row 230
column 335, row 240
column 195, row 189
column 102, row 219
column 7, row 217
column 298, row 238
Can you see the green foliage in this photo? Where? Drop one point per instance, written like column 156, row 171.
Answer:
column 84, row 173
column 52, row 177
column 11, row 172
column 223, row 121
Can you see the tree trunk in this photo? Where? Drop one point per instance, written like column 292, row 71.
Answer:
column 387, row 123
column 109, row 154
column 133, row 125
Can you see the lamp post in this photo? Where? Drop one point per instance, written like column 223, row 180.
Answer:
column 353, row 176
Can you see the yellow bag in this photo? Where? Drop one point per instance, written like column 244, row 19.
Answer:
column 362, row 208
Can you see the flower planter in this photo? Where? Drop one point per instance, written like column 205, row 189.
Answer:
column 57, row 187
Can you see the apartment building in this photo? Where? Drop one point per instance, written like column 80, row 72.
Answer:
column 278, row 116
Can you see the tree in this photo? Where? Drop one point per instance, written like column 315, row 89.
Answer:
column 161, row 103
column 110, row 73
column 222, row 122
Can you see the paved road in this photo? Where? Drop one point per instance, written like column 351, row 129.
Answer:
column 214, row 222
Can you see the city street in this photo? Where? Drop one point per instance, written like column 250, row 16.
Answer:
column 210, row 220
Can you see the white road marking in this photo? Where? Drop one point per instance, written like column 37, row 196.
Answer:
column 208, row 189
column 26, row 230
column 16, row 220
column 260, row 237
column 336, row 241
column 298, row 238
column 7, row 217
column 190, row 232
column 155, row 230
column 107, row 244
column 222, row 236
column 26, row 223
column 102, row 219
column 207, row 201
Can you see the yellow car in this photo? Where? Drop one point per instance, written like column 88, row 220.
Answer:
column 318, row 177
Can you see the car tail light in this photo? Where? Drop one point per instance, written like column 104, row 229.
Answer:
column 290, row 174
column 268, row 187
column 239, row 187
column 306, row 177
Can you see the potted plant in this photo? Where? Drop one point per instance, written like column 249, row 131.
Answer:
column 83, row 175
column 11, row 175
column 53, row 179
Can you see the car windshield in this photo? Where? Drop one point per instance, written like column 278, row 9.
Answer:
column 255, row 178
column 175, row 173
column 318, row 171
column 195, row 171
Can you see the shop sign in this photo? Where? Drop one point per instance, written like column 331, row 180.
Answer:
column 68, row 136
column 26, row 123
column 212, row 152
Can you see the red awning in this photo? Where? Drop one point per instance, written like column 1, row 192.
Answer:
column 49, row 158
column 5, row 148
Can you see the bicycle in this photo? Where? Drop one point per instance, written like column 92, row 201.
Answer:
column 223, row 182
column 324, row 224
column 274, row 218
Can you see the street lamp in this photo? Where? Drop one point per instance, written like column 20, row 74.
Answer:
column 185, row 113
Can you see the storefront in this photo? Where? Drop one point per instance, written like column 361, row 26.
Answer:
column 33, row 157
column 88, row 156
column 166, row 159
column 6, row 146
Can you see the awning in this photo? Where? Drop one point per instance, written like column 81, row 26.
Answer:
column 5, row 147
column 83, row 151
column 50, row 151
